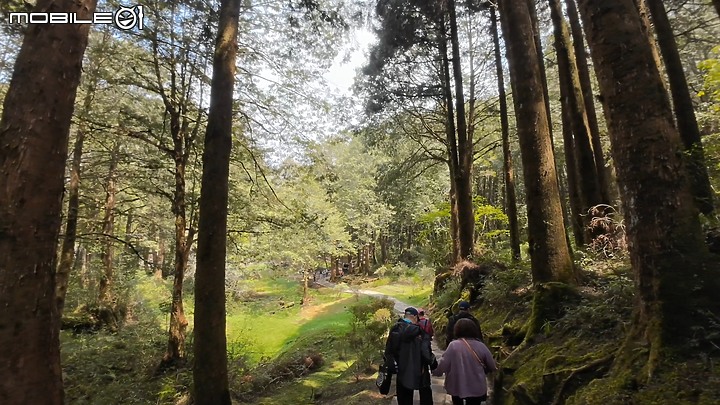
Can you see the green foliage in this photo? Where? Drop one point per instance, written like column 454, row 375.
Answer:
column 508, row 286
column 100, row 368
column 604, row 308
column 369, row 325
column 395, row 271
column 711, row 87
column 449, row 294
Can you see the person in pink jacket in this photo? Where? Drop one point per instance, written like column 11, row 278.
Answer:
column 465, row 363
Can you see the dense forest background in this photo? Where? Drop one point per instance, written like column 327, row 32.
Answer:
column 174, row 196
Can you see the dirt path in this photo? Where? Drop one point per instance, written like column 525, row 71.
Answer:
column 439, row 395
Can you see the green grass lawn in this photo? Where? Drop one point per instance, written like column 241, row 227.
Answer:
column 411, row 293
column 261, row 325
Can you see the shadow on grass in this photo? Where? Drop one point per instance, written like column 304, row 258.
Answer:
column 113, row 368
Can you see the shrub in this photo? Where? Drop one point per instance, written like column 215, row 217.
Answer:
column 605, row 307
column 366, row 340
column 394, row 272
column 507, row 285
column 449, row 294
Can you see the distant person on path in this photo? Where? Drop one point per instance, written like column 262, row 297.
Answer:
column 466, row 362
column 425, row 323
column 408, row 354
column 463, row 313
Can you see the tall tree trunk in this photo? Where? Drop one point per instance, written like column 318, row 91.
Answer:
column 66, row 256
column 210, row 373
column 306, row 281
column 549, row 251
column 383, row 248
column 588, row 99
column 108, row 229
column 642, row 8
column 450, row 133
column 334, row 271
column 67, row 251
column 541, row 63
column 572, row 101
column 576, row 210
column 675, row 280
column 178, row 323
column 84, row 255
column 682, row 104
column 34, row 130
column 543, row 77
column 508, row 175
column 463, row 176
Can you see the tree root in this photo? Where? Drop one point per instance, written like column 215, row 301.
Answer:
column 596, row 368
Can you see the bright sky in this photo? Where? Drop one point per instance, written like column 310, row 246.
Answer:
column 350, row 59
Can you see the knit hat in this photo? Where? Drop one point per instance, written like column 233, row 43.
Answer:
column 411, row 311
column 464, row 305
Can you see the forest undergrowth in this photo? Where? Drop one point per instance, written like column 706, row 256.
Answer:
column 279, row 352
column 327, row 351
column 572, row 359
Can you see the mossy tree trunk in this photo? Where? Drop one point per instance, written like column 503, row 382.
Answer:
column 588, row 99
column 450, row 132
column 548, row 244
column 587, row 184
column 508, row 174
column 34, row 132
column 675, row 278
column 682, row 104
column 549, row 251
column 464, row 150
column 572, row 175
column 642, row 8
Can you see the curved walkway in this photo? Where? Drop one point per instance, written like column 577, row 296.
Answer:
column 439, row 395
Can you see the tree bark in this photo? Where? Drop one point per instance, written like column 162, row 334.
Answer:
column 508, row 174
column 463, row 174
column 67, row 251
column 549, row 251
column 682, row 104
column 543, row 77
column 572, row 100
column 642, row 9
column 108, row 229
column 588, row 99
column 541, row 63
column 453, row 163
column 675, row 280
column 576, row 211
column 178, row 323
column 34, row 130
column 210, row 373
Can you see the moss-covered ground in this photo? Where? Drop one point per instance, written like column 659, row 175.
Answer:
column 571, row 359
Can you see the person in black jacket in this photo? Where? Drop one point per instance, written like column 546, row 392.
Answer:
column 463, row 312
column 409, row 355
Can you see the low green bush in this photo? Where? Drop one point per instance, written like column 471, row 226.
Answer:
column 369, row 326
